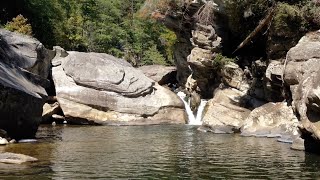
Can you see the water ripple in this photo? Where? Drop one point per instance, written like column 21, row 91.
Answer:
column 158, row 152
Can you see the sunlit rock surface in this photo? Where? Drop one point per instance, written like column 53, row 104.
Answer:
column 303, row 75
column 95, row 88
column 272, row 120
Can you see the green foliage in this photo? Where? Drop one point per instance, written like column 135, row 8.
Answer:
column 153, row 56
column 107, row 26
column 244, row 15
column 168, row 39
column 19, row 24
column 311, row 12
column 288, row 19
column 219, row 61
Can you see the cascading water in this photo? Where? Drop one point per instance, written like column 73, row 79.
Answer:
column 193, row 119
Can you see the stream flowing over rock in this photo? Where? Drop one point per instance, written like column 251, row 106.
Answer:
column 96, row 88
column 24, row 67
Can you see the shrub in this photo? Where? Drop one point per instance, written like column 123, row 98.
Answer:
column 219, row 61
column 153, row 56
column 19, row 24
column 311, row 12
column 288, row 20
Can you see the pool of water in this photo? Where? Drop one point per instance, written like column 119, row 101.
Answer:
column 156, row 152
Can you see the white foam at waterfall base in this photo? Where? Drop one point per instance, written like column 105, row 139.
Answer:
column 192, row 119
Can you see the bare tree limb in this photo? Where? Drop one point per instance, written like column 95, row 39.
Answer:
column 266, row 20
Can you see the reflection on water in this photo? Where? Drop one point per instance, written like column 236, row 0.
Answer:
column 156, row 152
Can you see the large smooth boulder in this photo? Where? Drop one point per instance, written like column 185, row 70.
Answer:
column 223, row 113
column 303, row 75
column 21, row 93
column 96, row 88
column 272, row 120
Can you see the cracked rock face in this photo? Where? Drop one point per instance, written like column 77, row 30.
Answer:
column 303, row 75
column 99, row 88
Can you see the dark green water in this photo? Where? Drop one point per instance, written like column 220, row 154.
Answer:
column 156, row 152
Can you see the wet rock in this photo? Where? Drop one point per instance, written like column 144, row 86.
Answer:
column 195, row 101
column 27, row 141
column 13, row 158
column 223, row 113
column 298, row 144
column 95, row 88
column 272, row 120
column 58, row 118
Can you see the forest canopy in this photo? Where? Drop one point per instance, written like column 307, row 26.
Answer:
column 109, row 26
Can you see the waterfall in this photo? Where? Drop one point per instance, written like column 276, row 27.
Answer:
column 193, row 119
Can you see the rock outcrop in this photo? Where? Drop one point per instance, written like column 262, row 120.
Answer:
column 272, row 120
column 96, row 88
column 22, row 92
column 26, row 52
column 273, row 85
column 302, row 75
column 224, row 113
column 163, row 75
column 50, row 109
column 206, row 45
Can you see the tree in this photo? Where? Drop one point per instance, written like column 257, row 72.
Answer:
column 107, row 26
